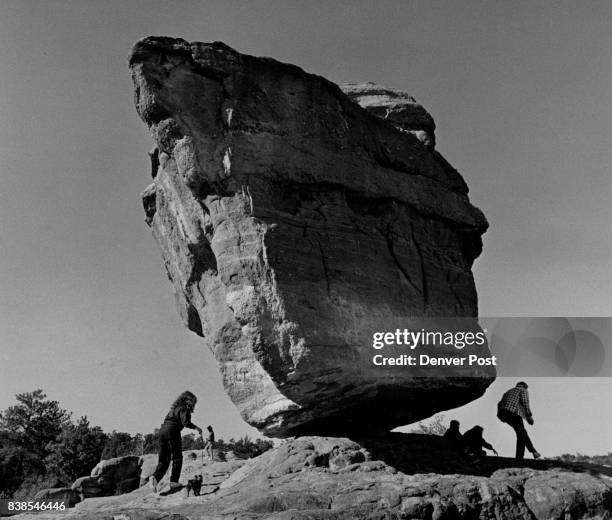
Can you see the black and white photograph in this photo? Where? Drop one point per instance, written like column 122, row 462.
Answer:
column 305, row 259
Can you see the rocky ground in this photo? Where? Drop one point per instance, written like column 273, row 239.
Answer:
column 394, row 476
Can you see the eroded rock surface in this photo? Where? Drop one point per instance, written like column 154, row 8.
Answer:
column 397, row 107
column 396, row 476
column 292, row 221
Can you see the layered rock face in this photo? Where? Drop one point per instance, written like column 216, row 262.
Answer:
column 395, row 106
column 291, row 222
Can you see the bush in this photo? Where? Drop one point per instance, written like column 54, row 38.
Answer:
column 151, row 442
column 119, row 444
column 244, row 448
column 32, row 484
column 76, row 451
column 192, row 442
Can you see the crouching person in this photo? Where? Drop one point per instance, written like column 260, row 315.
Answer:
column 474, row 443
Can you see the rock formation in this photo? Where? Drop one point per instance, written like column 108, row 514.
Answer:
column 293, row 222
column 109, row 477
column 398, row 476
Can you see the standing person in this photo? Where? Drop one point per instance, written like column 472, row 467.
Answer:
column 210, row 441
column 512, row 409
column 170, row 444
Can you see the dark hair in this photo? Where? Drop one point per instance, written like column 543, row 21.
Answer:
column 523, row 384
column 209, row 427
column 186, row 400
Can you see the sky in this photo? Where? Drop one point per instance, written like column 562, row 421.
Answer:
column 521, row 95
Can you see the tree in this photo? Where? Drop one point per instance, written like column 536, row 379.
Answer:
column 151, row 442
column 139, row 443
column 191, row 442
column 11, row 465
column 32, row 424
column 25, row 431
column 244, row 447
column 119, row 444
column 76, row 451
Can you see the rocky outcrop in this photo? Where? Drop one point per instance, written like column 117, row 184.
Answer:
column 61, row 494
column 392, row 477
column 292, row 222
column 110, row 477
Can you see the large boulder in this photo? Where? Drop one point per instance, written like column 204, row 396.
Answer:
column 90, row 487
column 109, row 477
column 118, row 468
column 292, row 222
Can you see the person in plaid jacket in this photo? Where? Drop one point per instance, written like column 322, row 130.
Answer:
column 512, row 409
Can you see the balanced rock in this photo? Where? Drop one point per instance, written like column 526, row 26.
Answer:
column 293, row 222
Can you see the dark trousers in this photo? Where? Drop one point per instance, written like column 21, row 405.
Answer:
column 522, row 438
column 169, row 447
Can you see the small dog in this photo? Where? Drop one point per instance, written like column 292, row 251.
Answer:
column 195, row 485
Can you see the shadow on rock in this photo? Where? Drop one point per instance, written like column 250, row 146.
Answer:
column 412, row 453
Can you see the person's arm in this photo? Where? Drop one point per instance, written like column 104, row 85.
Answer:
column 488, row 446
column 185, row 416
column 524, row 400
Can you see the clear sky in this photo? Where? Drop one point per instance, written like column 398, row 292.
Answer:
column 521, row 94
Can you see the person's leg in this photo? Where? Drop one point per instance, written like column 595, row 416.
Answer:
column 522, row 437
column 525, row 440
column 177, row 456
column 505, row 417
column 513, row 421
column 520, row 442
column 164, row 456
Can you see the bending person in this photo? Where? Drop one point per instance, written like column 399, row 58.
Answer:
column 512, row 409
column 170, row 445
